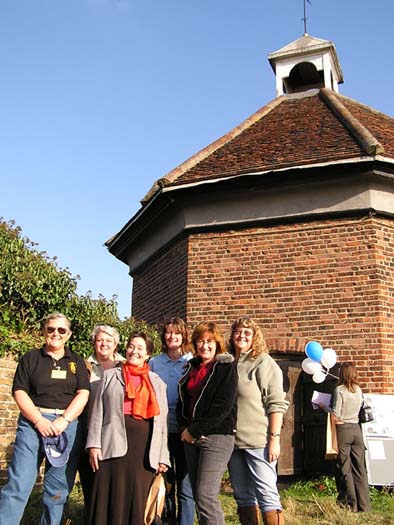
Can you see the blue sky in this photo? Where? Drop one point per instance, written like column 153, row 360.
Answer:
column 98, row 98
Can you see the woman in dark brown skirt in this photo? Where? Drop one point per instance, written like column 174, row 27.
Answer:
column 127, row 438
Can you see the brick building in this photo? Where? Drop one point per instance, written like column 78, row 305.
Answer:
column 287, row 218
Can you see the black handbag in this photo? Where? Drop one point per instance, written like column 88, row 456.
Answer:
column 365, row 414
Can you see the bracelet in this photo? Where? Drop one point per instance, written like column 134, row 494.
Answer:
column 275, row 434
column 65, row 419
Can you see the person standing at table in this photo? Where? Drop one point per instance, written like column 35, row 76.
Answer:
column 352, row 480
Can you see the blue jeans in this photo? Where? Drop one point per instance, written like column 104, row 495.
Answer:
column 179, row 478
column 206, row 462
column 22, row 474
column 253, row 479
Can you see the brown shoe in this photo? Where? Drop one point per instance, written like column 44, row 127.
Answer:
column 273, row 517
column 249, row 515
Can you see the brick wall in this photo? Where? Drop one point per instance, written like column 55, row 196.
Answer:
column 160, row 289
column 331, row 281
column 9, row 414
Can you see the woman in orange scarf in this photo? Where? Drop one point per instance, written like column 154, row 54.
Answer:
column 127, row 438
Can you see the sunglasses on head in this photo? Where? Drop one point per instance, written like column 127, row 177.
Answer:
column 60, row 329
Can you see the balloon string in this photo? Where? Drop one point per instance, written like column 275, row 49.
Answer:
column 332, row 375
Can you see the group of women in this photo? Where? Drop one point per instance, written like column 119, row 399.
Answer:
column 192, row 411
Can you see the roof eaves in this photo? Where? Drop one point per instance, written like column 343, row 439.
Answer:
column 316, row 165
column 211, row 148
column 112, row 241
column 368, row 142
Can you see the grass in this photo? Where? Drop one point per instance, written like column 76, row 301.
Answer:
column 309, row 502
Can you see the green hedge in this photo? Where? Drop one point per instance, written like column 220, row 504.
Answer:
column 32, row 285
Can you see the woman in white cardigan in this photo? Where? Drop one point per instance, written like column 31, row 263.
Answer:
column 127, row 437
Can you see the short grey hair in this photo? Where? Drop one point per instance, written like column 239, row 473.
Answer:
column 56, row 315
column 109, row 330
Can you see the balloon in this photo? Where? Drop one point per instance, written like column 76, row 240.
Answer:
column 319, row 377
column 314, row 350
column 329, row 358
column 310, row 366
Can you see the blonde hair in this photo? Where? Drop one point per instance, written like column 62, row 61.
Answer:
column 259, row 345
column 109, row 330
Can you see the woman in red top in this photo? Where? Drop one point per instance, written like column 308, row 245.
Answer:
column 207, row 413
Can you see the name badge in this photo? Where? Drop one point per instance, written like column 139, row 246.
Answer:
column 59, row 374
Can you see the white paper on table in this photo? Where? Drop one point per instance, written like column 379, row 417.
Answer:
column 376, row 449
column 320, row 397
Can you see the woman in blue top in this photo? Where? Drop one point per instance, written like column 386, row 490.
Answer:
column 170, row 366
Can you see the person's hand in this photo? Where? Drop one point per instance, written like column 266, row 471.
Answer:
column 44, row 427
column 59, row 425
column 186, row 437
column 94, row 457
column 273, row 449
column 162, row 468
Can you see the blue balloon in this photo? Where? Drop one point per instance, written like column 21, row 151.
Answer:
column 314, row 350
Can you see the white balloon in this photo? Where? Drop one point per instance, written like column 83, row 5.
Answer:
column 310, row 366
column 329, row 358
column 319, row 377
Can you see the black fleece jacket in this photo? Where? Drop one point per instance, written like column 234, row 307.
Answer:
column 215, row 411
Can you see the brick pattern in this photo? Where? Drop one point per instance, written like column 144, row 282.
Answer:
column 8, row 415
column 329, row 281
column 160, row 289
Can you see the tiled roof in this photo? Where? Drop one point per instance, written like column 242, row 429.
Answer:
column 315, row 127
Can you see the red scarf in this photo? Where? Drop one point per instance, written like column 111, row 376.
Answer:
column 144, row 402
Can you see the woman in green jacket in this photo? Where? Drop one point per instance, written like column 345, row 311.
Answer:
column 261, row 404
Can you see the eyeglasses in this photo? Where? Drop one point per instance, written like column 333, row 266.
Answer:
column 246, row 333
column 202, row 342
column 60, row 329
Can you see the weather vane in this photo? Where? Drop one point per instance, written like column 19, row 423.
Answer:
column 305, row 17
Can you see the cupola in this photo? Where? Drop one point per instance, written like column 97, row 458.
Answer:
column 307, row 63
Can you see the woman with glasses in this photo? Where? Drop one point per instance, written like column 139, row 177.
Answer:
column 51, row 388
column 170, row 365
column 207, row 414
column 261, row 405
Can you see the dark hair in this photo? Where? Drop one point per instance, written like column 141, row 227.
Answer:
column 148, row 341
column 348, row 376
column 179, row 327
column 213, row 329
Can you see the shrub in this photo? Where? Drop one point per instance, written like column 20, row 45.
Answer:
column 32, row 285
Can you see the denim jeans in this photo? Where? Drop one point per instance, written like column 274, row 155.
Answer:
column 206, row 462
column 179, row 479
column 22, row 474
column 253, row 479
